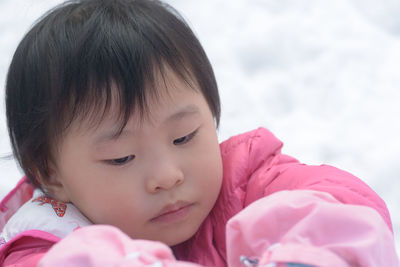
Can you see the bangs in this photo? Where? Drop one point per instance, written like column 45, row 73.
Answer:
column 111, row 60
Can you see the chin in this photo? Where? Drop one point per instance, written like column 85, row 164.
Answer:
column 175, row 238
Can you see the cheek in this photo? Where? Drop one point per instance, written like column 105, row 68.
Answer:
column 111, row 200
column 94, row 190
column 209, row 164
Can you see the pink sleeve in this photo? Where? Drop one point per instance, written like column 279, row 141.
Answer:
column 309, row 227
column 25, row 251
column 101, row 245
column 26, row 258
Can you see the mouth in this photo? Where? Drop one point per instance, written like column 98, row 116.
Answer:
column 173, row 212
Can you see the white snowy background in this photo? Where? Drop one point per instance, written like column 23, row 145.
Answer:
column 324, row 76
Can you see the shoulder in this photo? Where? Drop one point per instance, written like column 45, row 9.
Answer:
column 244, row 141
column 246, row 160
column 243, row 154
column 243, row 157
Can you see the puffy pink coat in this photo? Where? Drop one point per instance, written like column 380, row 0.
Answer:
column 271, row 210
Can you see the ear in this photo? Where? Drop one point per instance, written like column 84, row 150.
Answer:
column 54, row 186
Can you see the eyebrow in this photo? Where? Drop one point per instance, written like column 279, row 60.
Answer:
column 111, row 135
column 187, row 111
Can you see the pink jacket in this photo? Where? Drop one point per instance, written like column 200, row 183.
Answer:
column 271, row 210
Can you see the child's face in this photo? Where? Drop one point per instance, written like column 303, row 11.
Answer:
column 158, row 180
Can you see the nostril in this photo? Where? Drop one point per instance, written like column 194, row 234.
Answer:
column 179, row 181
column 158, row 188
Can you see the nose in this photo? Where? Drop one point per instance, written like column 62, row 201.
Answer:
column 164, row 176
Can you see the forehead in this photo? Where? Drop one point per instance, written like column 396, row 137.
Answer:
column 168, row 97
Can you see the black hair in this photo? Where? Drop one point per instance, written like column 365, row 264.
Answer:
column 80, row 54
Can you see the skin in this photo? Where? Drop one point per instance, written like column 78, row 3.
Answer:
column 171, row 157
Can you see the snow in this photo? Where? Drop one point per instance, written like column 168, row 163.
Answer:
column 322, row 75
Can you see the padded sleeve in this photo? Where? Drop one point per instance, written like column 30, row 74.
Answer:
column 26, row 251
column 312, row 228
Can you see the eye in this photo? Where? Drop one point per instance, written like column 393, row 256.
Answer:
column 183, row 140
column 121, row 161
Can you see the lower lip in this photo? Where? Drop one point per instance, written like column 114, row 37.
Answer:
column 174, row 216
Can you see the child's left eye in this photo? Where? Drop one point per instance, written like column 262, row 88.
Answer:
column 184, row 139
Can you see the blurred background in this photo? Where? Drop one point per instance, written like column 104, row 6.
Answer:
column 323, row 76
